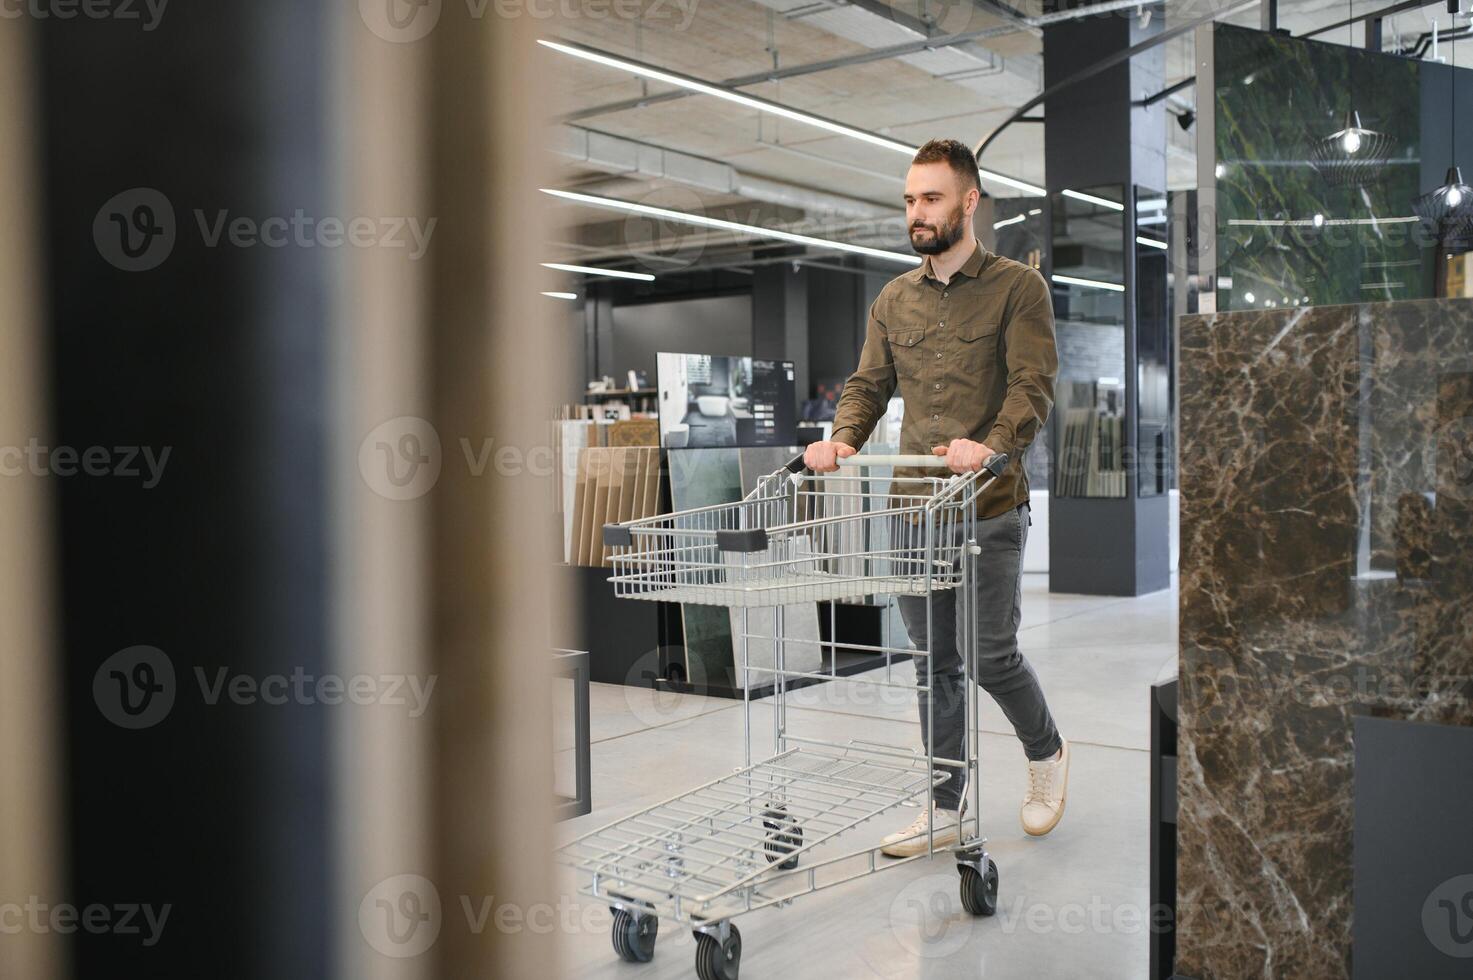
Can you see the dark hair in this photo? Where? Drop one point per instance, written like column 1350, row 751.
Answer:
column 952, row 152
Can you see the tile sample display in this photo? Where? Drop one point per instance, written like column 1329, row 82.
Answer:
column 699, row 478
column 800, row 620
column 1326, row 571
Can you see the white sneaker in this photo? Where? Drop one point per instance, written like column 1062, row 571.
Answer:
column 912, row 840
column 1048, row 783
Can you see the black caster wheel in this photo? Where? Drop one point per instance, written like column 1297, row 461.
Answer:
column 634, row 936
column 716, row 960
column 785, row 837
column 979, row 891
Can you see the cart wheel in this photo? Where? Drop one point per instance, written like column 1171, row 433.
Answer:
column 634, row 936
column 786, row 837
column 979, row 891
column 716, row 960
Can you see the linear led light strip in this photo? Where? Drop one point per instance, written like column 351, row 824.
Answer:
column 1283, row 222
column 1151, row 242
column 589, row 270
column 1114, row 287
column 695, row 219
column 763, row 105
column 1102, row 202
column 1015, row 219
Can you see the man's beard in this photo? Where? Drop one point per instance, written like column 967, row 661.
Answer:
column 945, row 236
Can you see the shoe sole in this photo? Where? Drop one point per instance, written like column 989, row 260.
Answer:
column 1045, row 831
column 917, row 845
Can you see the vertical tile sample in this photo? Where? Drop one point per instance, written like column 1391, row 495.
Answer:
column 699, row 478
column 1326, row 571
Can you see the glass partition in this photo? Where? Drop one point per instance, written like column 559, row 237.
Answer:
column 1088, row 282
column 1021, row 227
column 1155, row 395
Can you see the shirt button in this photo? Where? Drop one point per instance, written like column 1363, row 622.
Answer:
column 941, row 324
column 935, row 418
column 944, row 294
column 938, row 386
column 938, row 355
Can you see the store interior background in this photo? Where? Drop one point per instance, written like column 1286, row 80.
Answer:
column 1205, row 178
column 1243, row 314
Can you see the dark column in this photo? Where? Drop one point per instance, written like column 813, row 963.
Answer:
column 1094, row 137
column 780, row 319
column 210, row 561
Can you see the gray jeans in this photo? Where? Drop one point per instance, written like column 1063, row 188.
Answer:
column 997, row 601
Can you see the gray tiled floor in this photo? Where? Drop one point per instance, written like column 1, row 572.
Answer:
column 1073, row 905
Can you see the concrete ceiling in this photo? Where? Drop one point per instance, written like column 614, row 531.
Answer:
column 705, row 155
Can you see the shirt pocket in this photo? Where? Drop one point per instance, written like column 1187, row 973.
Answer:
column 905, row 348
column 977, row 339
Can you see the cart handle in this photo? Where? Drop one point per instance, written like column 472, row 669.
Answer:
column 997, row 462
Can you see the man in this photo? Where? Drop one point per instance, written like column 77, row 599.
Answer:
column 969, row 339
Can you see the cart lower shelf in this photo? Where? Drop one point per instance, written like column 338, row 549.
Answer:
column 754, row 839
column 733, row 845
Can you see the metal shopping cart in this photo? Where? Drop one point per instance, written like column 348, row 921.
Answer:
column 767, row 833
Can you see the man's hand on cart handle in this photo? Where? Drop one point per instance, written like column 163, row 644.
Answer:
column 964, row 455
column 823, row 457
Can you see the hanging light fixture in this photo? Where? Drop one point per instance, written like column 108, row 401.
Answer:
column 1352, row 156
column 1447, row 211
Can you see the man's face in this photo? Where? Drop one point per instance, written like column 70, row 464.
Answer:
column 937, row 206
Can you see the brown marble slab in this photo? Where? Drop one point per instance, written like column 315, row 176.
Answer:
column 1326, row 570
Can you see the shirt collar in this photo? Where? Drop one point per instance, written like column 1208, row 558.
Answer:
column 970, row 268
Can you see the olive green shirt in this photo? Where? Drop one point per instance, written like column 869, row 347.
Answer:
column 973, row 359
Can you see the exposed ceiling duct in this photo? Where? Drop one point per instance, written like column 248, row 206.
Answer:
column 877, row 25
column 627, row 157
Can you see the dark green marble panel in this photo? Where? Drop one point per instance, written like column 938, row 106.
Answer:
column 1275, row 98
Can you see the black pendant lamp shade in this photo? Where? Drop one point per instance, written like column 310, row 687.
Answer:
column 1447, row 212
column 1352, row 156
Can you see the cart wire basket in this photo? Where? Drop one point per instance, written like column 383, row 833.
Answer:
column 769, row 832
